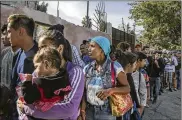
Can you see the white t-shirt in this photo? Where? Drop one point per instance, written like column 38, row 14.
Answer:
column 174, row 60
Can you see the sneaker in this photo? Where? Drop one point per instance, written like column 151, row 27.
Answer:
column 147, row 105
column 154, row 101
column 170, row 90
column 162, row 91
column 175, row 89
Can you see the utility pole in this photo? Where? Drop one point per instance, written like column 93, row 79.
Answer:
column 58, row 9
column 134, row 25
column 123, row 28
column 87, row 13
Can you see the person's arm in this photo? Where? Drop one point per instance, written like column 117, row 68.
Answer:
column 67, row 108
column 142, row 93
column 122, row 80
column 124, row 87
column 76, row 57
column 83, row 106
column 175, row 61
column 123, row 83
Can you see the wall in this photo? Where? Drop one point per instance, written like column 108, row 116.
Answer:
column 75, row 34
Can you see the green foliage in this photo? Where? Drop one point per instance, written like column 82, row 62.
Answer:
column 84, row 22
column 42, row 7
column 161, row 21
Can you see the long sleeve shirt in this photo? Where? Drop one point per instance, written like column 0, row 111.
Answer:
column 76, row 57
column 6, row 66
column 140, row 88
column 69, row 108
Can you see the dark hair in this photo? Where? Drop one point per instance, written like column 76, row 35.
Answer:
column 16, row 21
column 82, row 45
column 125, row 58
column 6, row 101
column 4, row 28
column 57, row 38
column 123, row 46
column 85, row 42
column 58, row 27
column 113, row 49
column 145, row 47
column 50, row 54
column 159, row 52
column 140, row 56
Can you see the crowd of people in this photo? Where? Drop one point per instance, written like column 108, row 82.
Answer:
column 48, row 79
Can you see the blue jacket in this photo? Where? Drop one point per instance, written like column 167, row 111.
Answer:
column 28, row 66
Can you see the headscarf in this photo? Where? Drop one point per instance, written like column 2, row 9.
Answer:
column 104, row 43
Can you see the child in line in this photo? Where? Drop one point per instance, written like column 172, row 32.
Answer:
column 51, row 83
column 128, row 61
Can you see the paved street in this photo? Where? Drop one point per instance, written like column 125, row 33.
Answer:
column 168, row 107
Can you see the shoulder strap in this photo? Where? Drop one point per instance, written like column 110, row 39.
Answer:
column 113, row 74
column 139, row 79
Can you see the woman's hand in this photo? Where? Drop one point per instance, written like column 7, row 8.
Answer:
column 20, row 105
column 82, row 115
column 28, row 77
column 104, row 94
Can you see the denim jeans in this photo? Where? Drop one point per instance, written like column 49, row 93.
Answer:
column 154, row 83
column 99, row 113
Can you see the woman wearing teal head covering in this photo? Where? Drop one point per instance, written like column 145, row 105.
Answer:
column 95, row 103
column 104, row 43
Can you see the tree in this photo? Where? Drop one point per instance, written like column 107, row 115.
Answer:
column 100, row 17
column 161, row 21
column 122, row 26
column 125, row 28
column 128, row 28
column 84, row 22
column 42, row 7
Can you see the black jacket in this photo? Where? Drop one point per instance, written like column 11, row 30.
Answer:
column 152, row 69
column 49, row 84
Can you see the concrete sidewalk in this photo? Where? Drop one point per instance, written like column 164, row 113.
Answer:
column 168, row 107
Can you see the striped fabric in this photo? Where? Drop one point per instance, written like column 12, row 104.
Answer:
column 76, row 57
column 168, row 68
column 4, row 51
column 6, row 66
column 168, row 76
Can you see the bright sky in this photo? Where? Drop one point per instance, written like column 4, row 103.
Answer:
column 74, row 11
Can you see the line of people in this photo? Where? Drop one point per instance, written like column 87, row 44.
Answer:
column 47, row 79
